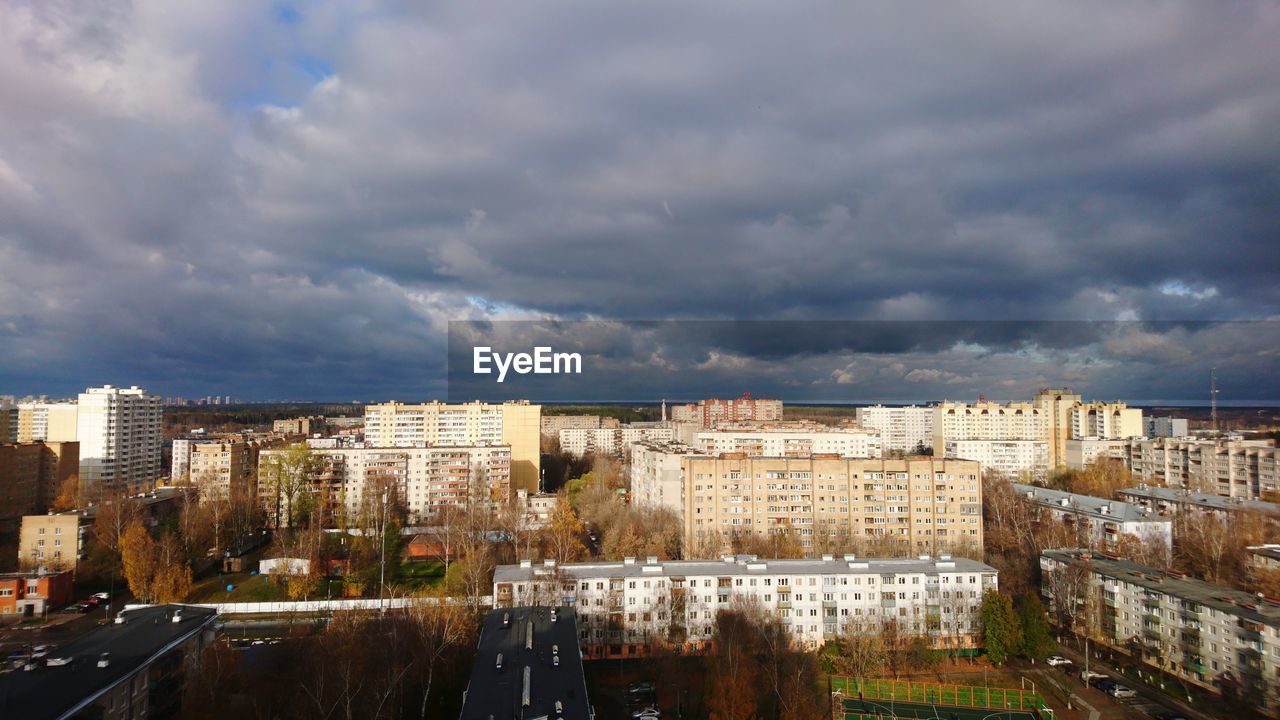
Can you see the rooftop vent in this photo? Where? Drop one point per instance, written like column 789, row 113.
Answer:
column 628, row 561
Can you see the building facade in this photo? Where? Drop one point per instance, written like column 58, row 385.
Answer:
column 1203, row 634
column 627, row 608
column 515, row 423
column 1100, row 523
column 711, row 412
column 986, row 421
column 1233, row 468
column 1155, row 427
column 657, row 474
column 54, row 541
column 611, row 441
column 32, row 594
column 786, row 442
column 47, row 421
column 119, row 435
column 905, row 430
column 1171, row 501
column 1083, row 452
column 553, row 424
column 1028, row 459
column 1108, row 421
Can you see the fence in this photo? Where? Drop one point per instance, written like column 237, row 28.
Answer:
column 940, row 694
column 319, row 606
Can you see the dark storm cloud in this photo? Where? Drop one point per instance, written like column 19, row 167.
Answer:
column 189, row 200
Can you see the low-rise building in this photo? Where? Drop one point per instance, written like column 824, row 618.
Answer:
column 1264, row 557
column 1098, row 522
column 304, row 426
column 31, row 594
column 131, row 669
column 1026, row 459
column 628, row 608
column 1204, row 634
column 1171, row 501
column 1230, row 467
column 536, row 508
column 55, row 541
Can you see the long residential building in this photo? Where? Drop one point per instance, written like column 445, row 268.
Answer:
column 1234, row 468
column 1106, row 421
column 32, row 475
column 986, row 421
column 657, row 474
column 429, row 479
column 711, row 412
column 1203, row 634
column 228, row 466
column 781, row 441
column 1165, row 427
column 627, row 608
column 515, row 423
column 553, row 424
column 119, row 434
column 1026, row 459
column 1083, row 452
column 929, row 504
column 55, row 421
column 612, row 441
column 1098, row 522
column 905, row 430
column 1171, row 501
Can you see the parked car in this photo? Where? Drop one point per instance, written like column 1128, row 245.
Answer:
column 1105, row 685
column 1056, row 660
column 1121, row 691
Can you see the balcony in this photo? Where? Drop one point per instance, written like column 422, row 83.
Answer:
column 784, row 604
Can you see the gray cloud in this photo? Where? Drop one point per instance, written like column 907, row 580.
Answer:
column 188, row 201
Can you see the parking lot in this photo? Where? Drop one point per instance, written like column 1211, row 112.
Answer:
column 1099, row 694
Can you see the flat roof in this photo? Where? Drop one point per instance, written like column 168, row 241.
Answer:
column 527, row 638
column 1232, row 602
column 56, row 692
column 1097, row 507
column 742, row 565
column 1209, row 500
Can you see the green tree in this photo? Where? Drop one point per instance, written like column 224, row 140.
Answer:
column 1000, row 629
column 285, row 476
column 1037, row 639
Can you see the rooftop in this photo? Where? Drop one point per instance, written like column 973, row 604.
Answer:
column 740, row 565
column 1087, row 504
column 59, row 691
column 1237, row 603
column 1207, row 500
column 527, row 683
column 1269, row 550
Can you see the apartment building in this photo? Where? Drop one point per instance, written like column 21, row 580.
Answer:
column 1108, row 421
column 31, row 594
column 1171, row 501
column 1234, row 468
column 932, row 505
column 119, row 434
column 782, row 441
column 1010, row 458
column 304, row 426
column 1155, row 427
column 657, row 474
column 428, row 479
column 612, row 441
column 627, row 608
column 1083, row 452
column 904, row 430
column 8, row 420
column 987, row 421
column 32, row 474
column 54, row 541
column 553, row 424
column 711, row 412
column 515, row 423
column 1055, row 406
column 1098, row 522
column 226, row 466
column 1203, row 634
column 55, row 421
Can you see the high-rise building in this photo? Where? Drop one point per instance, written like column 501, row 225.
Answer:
column 32, row 474
column 1055, row 406
column 553, row 424
column 1019, row 459
column 514, row 423
column 708, row 413
column 1105, row 421
column 1165, row 427
column 1233, row 468
column 8, row 419
column 902, row 429
column 56, row 421
column 782, row 441
column 119, row 432
column 986, row 421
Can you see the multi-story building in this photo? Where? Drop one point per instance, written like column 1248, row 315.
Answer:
column 1010, row 458
column 1264, row 557
column 930, row 504
column 55, row 541
column 31, row 594
column 907, row 430
column 180, row 456
column 657, row 474
column 1171, row 501
column 515, row 423
column 781, row 441
column 1100, row 523
column 1083, row 452
column 553, row 424
column 428, row 479
column 711, row 412
column 627, row 608
column 1203, row 634
column 32, row 474
column 1156, row 427
column 227, row 466
column 1108, row 421
column 47, row 421
column 304, row 426
column 119, row 434
column 536, row 508
column 1055, row 406
column 8, row 420
column 986, row 421
column 1234, row 468
column 612, row 441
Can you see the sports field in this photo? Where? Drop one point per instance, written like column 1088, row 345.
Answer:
column 855, row 709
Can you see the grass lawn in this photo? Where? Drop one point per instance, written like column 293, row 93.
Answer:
column 419, row 575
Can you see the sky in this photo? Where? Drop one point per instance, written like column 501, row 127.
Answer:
column 293, row 200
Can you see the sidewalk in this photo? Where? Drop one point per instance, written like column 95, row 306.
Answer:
column 1144, row 689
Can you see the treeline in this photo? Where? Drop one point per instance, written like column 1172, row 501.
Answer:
column 251, row 415
column 621, row 413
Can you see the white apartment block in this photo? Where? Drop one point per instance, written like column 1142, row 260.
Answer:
column 553, row 424
column 930, row 504
column 1083, row 452
column 611, row 441
column 657, row 474
column 1109, row 421
column 986, row 421
column 428, row 479
column 180, row 457
column 711, row 412
column 119, row 435
column 1010, row 458
column 515, row 423
column 1203, row 634
column 787, row 442
column 627, row 608
column 1233, row 468
column 902, row 429
column 1099, row 523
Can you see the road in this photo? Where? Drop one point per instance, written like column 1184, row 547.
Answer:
column 1149, row 697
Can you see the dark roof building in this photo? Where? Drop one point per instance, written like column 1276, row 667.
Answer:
column 528, row 667
column 131, row 668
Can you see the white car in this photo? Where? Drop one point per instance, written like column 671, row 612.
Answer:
column 1120, row 691
column 1056, row 660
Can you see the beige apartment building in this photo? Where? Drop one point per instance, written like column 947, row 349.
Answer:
column 32, row 474
column 304, row 426
column 54, row 541
column 1055, row 406
column 1233, row 468
column 930, row 504
column 553, row 424
column 226, row 466
column 987, row 421
column 712, row 411
column 1106, row 421
column 515, row 423
column 54, row 421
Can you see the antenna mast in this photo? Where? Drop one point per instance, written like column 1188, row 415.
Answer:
column 1213, row 400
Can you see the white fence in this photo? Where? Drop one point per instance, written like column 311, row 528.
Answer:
column 313, row 606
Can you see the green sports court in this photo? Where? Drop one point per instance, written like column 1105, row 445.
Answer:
column 855, row 709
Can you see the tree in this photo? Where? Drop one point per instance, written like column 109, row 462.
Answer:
column 286, row 476
column 138, row 555
column 732, row 670
column 862, row 654
column 69, row 494
column 1000, row 629
column 563, row 536
column 1037, row 640
column 172, row 580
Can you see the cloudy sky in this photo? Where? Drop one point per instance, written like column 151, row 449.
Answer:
column 282, row 199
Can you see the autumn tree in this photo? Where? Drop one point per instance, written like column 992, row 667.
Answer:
column 563, row 535
column 70, row 494
column 1037, row 640
column 285, row 476
column 733, row 672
